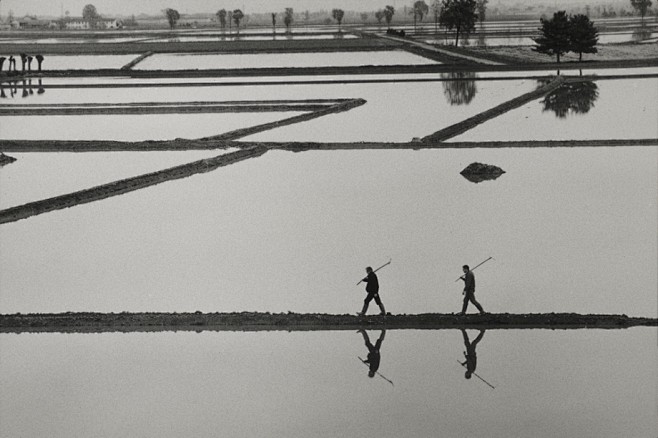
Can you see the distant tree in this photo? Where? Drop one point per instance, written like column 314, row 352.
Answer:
column 481, row 7
column 389, row 11
column 554, row 38
column 436, row 8
column 337, row 14
column 641, row 6
column 459, row 15
column 172, row 17
column 379, row 16
column 288, row 18
column 221, row 16
column 421, row 9
column 274, row 22
column 583, row 36
column 237, row 17
column 90, row 14
column 364, row 17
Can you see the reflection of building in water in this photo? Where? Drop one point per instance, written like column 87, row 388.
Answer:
column 571, row 98
column 459, row 87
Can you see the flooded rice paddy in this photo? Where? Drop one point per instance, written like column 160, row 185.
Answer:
column 277, row 384
column 571, row 229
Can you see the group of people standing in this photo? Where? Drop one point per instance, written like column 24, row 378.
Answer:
column 372, row 289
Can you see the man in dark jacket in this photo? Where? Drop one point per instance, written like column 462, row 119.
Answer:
column 374, row 355
column 469, row 354
column 372, row 287
column 469, row 290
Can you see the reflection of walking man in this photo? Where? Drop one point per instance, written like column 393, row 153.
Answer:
column 469, row 290
column 373, row 352
column 469, row 354
column 372, row 287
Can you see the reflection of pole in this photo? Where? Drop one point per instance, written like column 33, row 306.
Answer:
column 490, row 385
column 378, row 373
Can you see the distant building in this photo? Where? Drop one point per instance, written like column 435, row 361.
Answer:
column 28, row 22
column 101, row 23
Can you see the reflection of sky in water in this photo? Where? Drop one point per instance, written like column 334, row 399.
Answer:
column 301, row 384
column 165, row 61
column 612, row 115
column 85, row 62
column 294, row 231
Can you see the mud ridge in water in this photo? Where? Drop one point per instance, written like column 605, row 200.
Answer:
column 72, row 322
column 126, row 185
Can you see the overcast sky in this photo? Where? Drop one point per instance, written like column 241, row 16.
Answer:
column 127, row 7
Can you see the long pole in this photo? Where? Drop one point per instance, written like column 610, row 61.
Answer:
column 473, row 269
column 378, row 373
column 385, row 264
column 490, row 385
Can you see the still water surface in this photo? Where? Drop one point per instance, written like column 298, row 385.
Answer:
column 571, row 230
column 584, row 383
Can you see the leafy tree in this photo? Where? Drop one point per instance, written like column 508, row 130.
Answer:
column 554, row 38
column 459, row 15
column 389, row 11
column 481, row 7
column 221, row 16
column 288, row 18
column 364, row 16
column 90, row 14
column 337, row 14
column 583, row 36
column 237, row 17
column 419, row 10
column 172, row 17
column 274, row 21
column 379, row 16
column 641, row 6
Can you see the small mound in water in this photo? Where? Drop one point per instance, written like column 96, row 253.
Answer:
column 478, row 172
column 6, row 159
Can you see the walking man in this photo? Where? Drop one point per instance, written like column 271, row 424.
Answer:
column 469, row 290
column 372, row 287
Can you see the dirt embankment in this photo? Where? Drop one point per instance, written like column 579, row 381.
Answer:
column 127, row 322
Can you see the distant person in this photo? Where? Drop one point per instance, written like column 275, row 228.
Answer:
column 469, row 290
column 374, row 356
column 469, row 354
column 372, row 287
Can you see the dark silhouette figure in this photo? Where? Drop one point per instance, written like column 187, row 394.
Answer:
column 25, row 91
column 459, row 88
column 374, row 356
column 23, row 61
column 39, row 59
column 469, row 290
column 372, row 287
column 2, row 91
column 12, row 63
column 469, row 354
column 40, row 89
column 29, row 63
column 2, row 62
column 571, row 98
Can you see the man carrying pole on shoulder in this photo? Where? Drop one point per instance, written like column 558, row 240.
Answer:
column 469, row 290
column 372, row 287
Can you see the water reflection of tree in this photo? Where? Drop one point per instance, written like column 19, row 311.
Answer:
column 571, row 98
column 459, row 87
column 641, row 34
